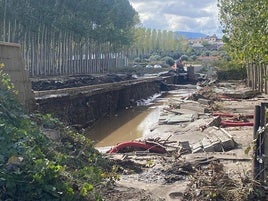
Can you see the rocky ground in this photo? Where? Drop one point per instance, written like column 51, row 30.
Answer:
column 205, row 160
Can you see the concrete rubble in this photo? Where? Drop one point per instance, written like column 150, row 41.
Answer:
column 196, row 139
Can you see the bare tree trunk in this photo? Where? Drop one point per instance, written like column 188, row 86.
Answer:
column 261, row 77
column 9, row 31
column 266, row 78
column 4, row 21
column 14, row 32
column 64, row 53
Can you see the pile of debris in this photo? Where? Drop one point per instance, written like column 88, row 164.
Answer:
column 213, row 183
column 200, row 142
column 216, row 140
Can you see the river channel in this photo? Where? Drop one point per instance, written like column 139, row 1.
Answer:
column 131, row 123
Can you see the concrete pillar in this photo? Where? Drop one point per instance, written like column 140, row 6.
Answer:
column 191, row 72
column 10, row 56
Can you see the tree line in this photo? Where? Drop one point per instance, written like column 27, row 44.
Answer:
column 63, row 37
column 57, row 33
column 162, row 42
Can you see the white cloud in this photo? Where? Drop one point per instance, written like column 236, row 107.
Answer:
column 179, row 15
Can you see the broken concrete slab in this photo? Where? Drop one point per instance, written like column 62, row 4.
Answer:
column 217, row 140
column 175, row 119
column 227, row 140
column 201, row 124
column 197, row 147
column 206, row 143
column 194, row 106
column 211, row 144
column 213, row 147
column 215, row 122
column 174, row 111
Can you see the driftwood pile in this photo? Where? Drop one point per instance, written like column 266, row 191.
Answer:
column 213, row 183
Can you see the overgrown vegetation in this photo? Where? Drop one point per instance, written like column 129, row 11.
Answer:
column 232, row 74
column 41, row 159
column 230, row 70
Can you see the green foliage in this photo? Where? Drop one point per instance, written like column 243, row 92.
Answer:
column 245, row 29
column 154, row 58
column 101, row 21
column 232, row 74
column 5, row 81
column 149, row 41
column 35, row 167
column 168, row 60
column 47, row 121
column 184, row 57
column 137, row 60
column 193, row 57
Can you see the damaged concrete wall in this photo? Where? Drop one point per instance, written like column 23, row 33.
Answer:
column 10, row 56
column 83, row 109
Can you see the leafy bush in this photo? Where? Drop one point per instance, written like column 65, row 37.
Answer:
column 232, row 74
column 137, row 60
column 228, row 70
column 168, row 60
column 193, row 57
column 35, row 167
column 184, row 58
column 154, row 58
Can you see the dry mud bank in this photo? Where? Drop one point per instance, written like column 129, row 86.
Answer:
column 205, row 160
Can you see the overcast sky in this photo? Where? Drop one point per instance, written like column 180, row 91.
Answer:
column 199, row 16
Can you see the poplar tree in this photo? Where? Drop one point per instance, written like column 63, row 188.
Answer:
column 57, row 33
column 245, row 28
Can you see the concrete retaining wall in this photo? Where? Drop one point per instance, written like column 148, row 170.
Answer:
column 10, row 56
column 87, row 104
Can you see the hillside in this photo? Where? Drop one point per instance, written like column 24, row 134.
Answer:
column 191, row 35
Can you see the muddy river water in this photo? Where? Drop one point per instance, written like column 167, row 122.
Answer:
column 125, row 126
column 131, row 123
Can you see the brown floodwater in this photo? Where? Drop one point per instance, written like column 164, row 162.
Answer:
column 132, row 123
column 127, row 125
